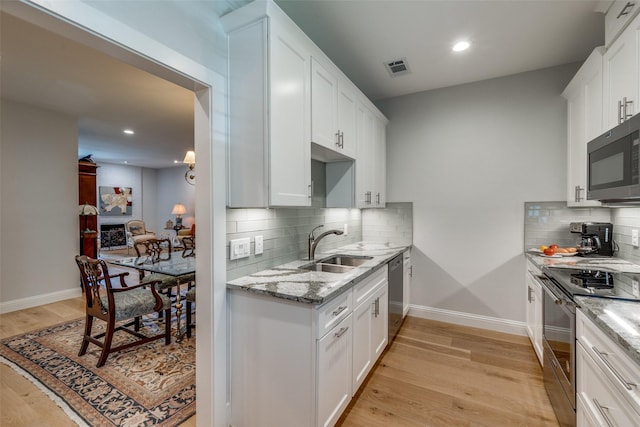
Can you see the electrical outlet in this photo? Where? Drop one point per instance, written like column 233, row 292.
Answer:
column 345, row 229
column 634, row 238
column 239, row 248
column 259, row 245
column 635, row 288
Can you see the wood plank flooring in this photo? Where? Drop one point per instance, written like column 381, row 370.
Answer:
column 439, row 374
column 433, row 374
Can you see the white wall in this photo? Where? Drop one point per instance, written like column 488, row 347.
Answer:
column 39, row 210
column 171, row 189
column 468, row 157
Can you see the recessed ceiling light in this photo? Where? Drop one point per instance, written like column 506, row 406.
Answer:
column 128, row 131
column 460, row 46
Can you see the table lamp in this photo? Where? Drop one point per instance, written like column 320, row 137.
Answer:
column 178, row 210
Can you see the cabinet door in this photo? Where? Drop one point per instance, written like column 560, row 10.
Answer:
column 380, row 163
column 620, row 75
column 347, row 111
column 406, row 284
column 290, row 117
column 364, row 158
column 584, row 122
column 534, row 315
column 380, row 322
column 324, row 98
column 362, row 361
column 334, row 372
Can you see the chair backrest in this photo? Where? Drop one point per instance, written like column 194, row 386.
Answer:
column 154, row 249
column 92, row 272
column 136, row 227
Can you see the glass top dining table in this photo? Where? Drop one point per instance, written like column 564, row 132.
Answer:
column 175, row 264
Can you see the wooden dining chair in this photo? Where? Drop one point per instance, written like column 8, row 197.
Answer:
column 191, row 299
column 114, row 305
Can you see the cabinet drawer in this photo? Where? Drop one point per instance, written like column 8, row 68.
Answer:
column 333, row 312
column 365, row 288
column 598, row 396
column 622, row 372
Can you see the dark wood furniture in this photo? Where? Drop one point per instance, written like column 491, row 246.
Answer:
column 116, row 304
column 87, row 193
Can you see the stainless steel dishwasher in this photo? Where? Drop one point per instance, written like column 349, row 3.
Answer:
column 396, row 277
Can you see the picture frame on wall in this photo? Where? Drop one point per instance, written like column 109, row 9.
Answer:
column 116, row 201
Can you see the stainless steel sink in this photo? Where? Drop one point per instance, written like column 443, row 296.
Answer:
column 346, row 260
column 329, row 268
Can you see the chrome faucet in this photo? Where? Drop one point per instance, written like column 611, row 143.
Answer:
column 313, row 241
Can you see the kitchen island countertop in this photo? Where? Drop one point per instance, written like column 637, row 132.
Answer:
column 289, row 281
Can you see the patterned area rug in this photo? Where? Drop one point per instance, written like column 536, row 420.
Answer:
column 146, row 385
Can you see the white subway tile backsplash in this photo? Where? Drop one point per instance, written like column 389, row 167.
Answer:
column 548, row 222
column 392, row 224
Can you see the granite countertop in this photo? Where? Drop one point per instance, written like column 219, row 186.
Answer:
column 289, row 282
column 623, row 327
column 598, row 309
column 612, row 264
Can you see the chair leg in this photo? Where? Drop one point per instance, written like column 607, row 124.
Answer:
column 106, row 345
column 136, row 326
column 88, row 324
column 167, row 327
column 188, row 319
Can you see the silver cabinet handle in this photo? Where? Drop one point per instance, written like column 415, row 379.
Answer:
column 529, row 294
column 337, row 135
column 602, row 356
column 602, row 412
column 579, row 190
column 620, row 112
column 377, row 306
column 624, row 11
column 341, row 139
column 626, row 103
column 378, row 198
column 339, row 310
column 367, row 197
column 310, row 190
column 341, row 332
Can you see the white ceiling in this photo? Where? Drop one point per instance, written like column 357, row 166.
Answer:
column 508, row 36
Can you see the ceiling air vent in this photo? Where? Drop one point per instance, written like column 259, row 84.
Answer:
column 397, row 67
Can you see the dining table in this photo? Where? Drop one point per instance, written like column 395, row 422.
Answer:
column 178, row 264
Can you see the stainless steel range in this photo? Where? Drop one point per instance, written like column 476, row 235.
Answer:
column 561, row 286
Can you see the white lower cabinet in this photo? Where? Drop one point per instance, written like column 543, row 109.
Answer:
column 606, row 380
column 370, row 326
column 534, row 309
column 334, row 372
column 292, row 364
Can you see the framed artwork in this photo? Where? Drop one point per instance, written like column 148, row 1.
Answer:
column 115, row 201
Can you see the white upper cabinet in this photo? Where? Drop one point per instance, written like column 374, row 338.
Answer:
column 288, row 104
column 333, row 111
column 371, row 159
column 584, row 120
column 618, row 15
column 269, row 106
column 621, row 76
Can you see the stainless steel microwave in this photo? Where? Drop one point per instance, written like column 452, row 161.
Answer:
column 613, row 160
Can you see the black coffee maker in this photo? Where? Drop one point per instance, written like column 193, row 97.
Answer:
column 596, row 238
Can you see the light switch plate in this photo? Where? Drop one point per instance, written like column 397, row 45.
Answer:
column 239, row 248
column 259, row 245
column 634, row 238
column 635, row 288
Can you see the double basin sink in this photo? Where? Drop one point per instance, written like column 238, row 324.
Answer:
column 339, row 263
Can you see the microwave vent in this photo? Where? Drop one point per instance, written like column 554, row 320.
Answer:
column 397, row 67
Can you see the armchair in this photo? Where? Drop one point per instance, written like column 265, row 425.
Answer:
column 137, row 232
column 116, row 304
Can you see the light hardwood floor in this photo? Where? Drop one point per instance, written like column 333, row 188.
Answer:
column 433, row 374
column 439, row 374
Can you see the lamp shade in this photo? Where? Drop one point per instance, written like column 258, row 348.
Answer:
column 87, row 209
column 178, row 209
column 190, row 158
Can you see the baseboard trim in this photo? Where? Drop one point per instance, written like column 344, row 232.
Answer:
column 34, row 301
column 468, row 319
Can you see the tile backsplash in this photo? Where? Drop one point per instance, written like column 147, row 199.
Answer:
column 548, row 222
column 285, row 232
column 392, row 224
